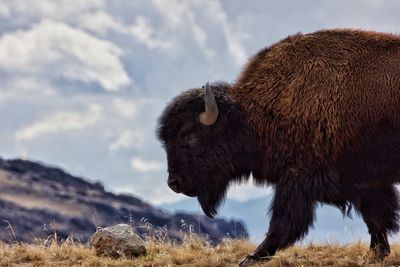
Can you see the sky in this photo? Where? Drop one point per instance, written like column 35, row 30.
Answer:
column 82, row 82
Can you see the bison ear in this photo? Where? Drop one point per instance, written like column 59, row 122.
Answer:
column 210, row 115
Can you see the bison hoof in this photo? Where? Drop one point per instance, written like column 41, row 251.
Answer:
column 380, row 253
column 253, row 259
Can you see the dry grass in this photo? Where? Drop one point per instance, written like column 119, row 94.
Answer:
column 193, row 252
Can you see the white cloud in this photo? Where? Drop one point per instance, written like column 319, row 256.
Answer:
column 156, row 196
column 4, row 9
column 143, row 32
column 127, row 139
column 233, row 42
column 245, row 191
column 142, row 165
column 27, row 88
column 186, row 14
column 60, row 121
column 101, row 23
column 174, row 11
column 180, row 15
column 126, row 107
column 59, row 9
column 163, row 194
column 56, row 49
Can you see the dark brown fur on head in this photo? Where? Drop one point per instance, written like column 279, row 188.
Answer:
column 207, row 158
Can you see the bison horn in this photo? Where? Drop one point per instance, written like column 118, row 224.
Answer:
column 211, row 109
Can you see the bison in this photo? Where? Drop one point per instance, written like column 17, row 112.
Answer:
column 317, row 116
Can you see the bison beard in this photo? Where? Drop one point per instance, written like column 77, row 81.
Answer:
column 213, row 194
column 210, row 202
column 316, row 115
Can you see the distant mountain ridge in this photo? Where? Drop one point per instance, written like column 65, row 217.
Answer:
column 38, row 200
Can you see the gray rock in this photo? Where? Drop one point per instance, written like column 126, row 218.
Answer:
column 117, row 241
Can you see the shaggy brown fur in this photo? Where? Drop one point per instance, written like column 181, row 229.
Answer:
column 319, row 82
column 315, row 115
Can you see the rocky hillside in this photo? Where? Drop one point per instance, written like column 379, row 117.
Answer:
column 37, row 201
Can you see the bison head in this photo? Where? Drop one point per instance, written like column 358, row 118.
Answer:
column 209, row 144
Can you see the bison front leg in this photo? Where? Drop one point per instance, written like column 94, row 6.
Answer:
column 292, row 214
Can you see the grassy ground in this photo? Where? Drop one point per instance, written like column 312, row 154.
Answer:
column 192, row 252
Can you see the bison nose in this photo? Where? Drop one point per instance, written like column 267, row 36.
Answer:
column 174, row 182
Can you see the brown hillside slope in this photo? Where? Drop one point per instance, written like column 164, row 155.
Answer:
column 37, row 200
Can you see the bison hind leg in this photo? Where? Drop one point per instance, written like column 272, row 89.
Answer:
column 379, row 208
column 380, row 245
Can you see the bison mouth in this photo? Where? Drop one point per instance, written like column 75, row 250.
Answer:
column 190, row 192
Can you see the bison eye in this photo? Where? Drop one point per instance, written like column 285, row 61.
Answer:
column 192, row 141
